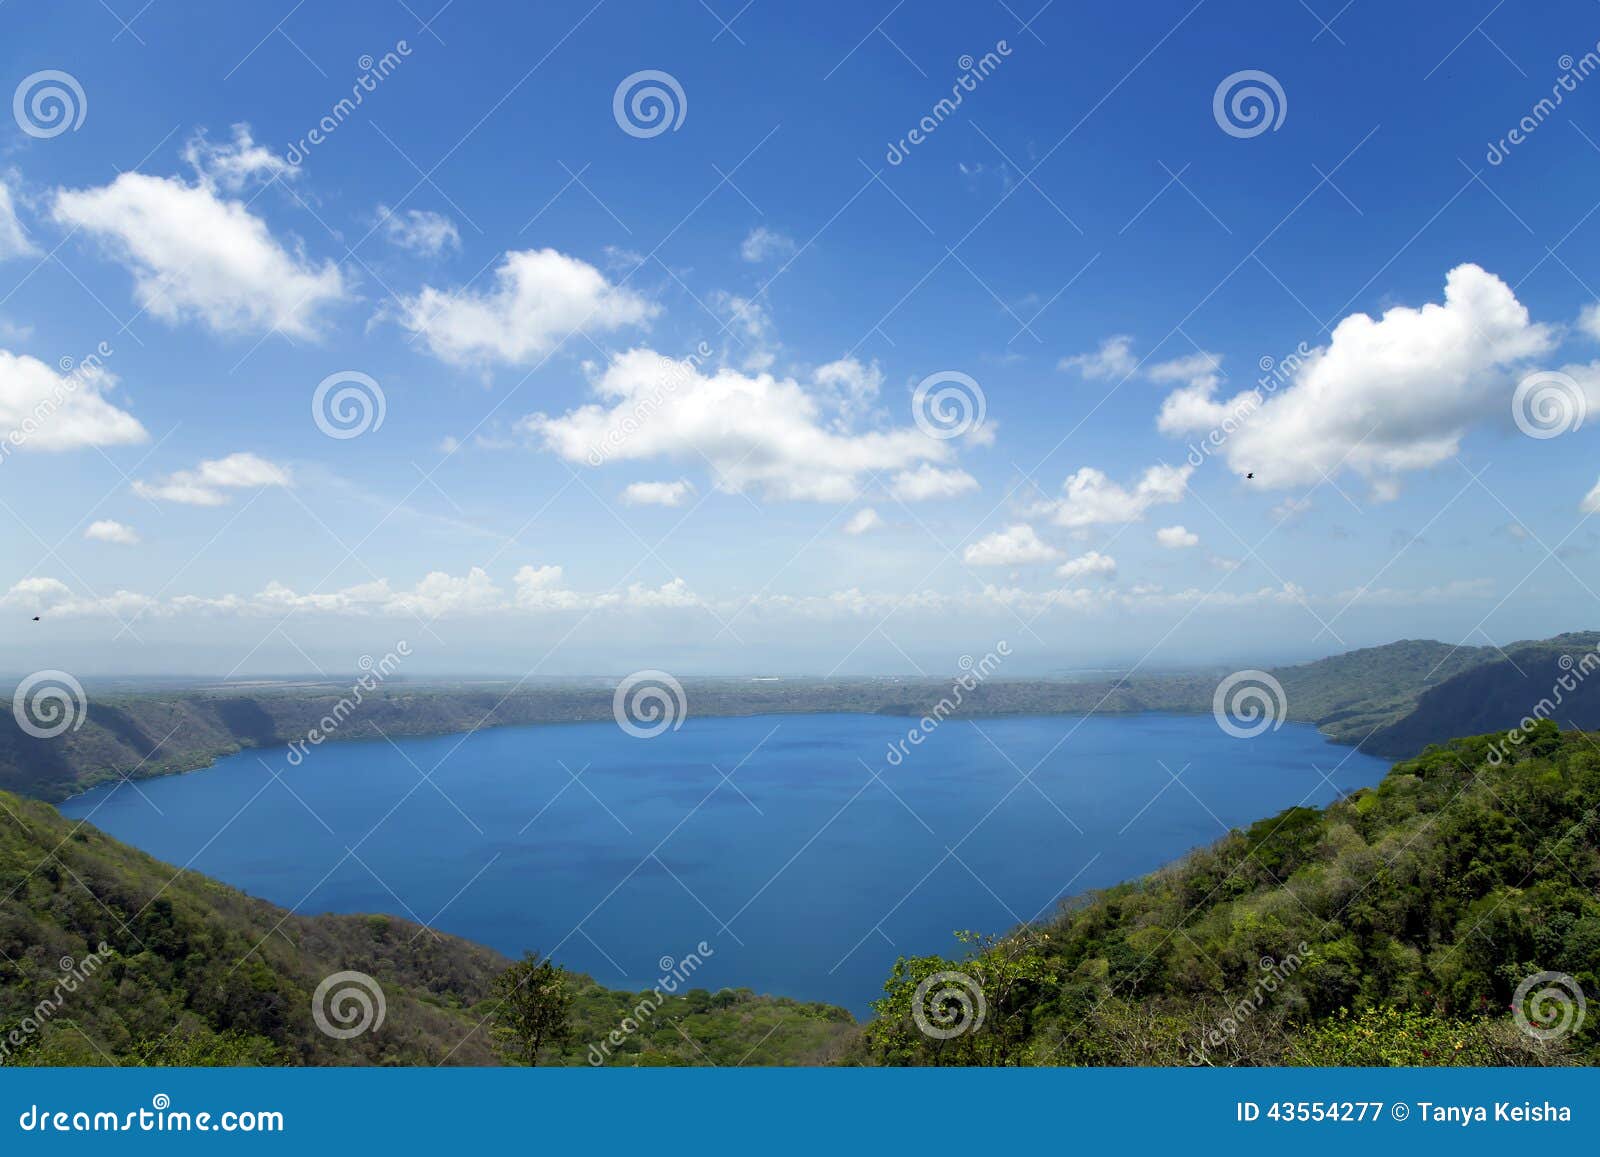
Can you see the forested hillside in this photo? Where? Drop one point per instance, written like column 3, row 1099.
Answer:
column 197, row 973
column 1393, row 927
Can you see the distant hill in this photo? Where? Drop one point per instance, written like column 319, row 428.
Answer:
column 201, row 974
column 1392, row 700
column 1558, row 678
column 1349, row 696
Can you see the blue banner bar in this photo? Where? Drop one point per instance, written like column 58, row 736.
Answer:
column 760, row 1111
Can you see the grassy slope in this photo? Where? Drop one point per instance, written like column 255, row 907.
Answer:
column 203, row 974
column 1422, row 903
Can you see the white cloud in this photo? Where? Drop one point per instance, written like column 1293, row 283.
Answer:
column 195, row 254
column 419, row 230
column 1087, row 565
column 1385, row 396
column 232, row 167
column 206, row 483
column 1589, row 320
column 1177, row 537
column 657, row 493
column 749, row 317
column 105, row 530
column 756, row 431
column 13, row 239
column 1197, row 367
column 1113, row 360
column 1017, row 545
column 926, row 483
column 761, row 243
column 1092, row 498
column 41, row 409
column 1591, row 502
column 862, row 521
column 539, row 298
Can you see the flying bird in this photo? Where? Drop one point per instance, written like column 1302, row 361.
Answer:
column 1250, row 475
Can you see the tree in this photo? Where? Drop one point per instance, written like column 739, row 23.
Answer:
column 534, row 1008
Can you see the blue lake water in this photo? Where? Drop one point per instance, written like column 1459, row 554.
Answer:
column 768, row 838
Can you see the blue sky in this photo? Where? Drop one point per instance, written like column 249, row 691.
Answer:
column 1099, row 257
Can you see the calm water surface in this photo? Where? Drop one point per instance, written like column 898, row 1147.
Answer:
column 766, row 837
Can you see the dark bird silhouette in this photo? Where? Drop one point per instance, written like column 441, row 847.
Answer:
column 1250, row 475
column 36, row 618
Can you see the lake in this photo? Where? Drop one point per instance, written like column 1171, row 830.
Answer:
column 791, row 845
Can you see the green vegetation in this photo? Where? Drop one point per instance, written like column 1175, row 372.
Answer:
column 197, row 973
column 532, row 1008
column 1392, row 927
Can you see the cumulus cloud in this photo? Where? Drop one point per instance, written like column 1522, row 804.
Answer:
column 1091, row 498
column 41, row 409
column 232, row 167
column 419, row 230
column 1017, row 545
column 761, row 243
column 1113, row 361
column 106, row 530
column 758, row 432
column 658, row 493
column 1177, row 537
column 927, row 483
column 539, row 298
column 1384, row 396
column 13, row 238
column 862, row 521
column 1090, row 565
column 207, row 483
column 196, row 254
